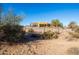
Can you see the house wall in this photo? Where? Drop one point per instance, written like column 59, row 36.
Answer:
column 40, row 24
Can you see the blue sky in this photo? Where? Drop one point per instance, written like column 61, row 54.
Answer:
column 45, row 12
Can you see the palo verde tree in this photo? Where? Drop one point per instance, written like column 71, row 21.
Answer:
column 56, row 23
column 11, row 18
column 0, row 12
column 11, row 27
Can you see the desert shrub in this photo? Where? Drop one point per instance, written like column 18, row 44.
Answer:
column 2, row 34
column 50, row 35
column 75, row 34
column 30, row 30
column 73, row 51
column 13, row 33
column 55, row 35
column 10, row 27
column 77, row 30
column 72, row 25
column 47, row 35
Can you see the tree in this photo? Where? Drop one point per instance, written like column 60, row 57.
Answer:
column 56, row 23
column 11, row 18
column 11, row 28
column 0, row 12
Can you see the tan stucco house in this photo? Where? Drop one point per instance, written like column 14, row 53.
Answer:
column 40, row 24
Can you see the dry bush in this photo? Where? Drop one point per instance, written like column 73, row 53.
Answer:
column 30, row 30
column 47, row 35
column 74, row 34
column 73, row 51
column 77, row 29
column 55, row 35
column 72, row 25
column 50, row 35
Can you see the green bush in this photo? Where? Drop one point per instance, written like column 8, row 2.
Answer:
column 10, row 28
column 1, row 33
column 13, row 33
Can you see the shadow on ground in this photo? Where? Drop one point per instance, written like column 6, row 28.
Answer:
column 30, row 37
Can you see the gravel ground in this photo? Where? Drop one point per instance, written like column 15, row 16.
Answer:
column 41, row 47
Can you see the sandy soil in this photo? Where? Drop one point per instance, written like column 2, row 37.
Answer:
column 42, row 47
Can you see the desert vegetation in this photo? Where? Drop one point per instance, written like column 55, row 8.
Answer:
column 55, row 39
column 30, row 30
column 73, row 25
column 56, row 23
column 50, row 35
column 75, row 30
column 10, row 29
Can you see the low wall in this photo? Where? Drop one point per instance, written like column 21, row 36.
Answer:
column 43, row 29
